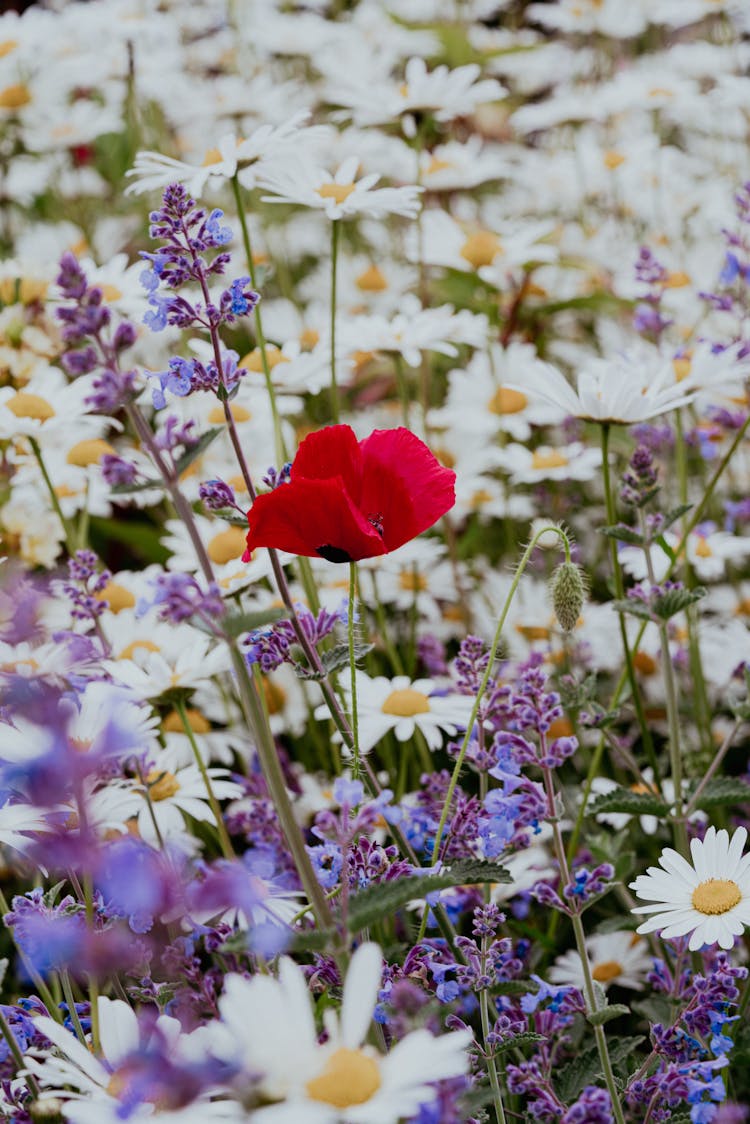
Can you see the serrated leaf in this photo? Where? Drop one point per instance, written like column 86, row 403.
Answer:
column 675, row 514
column 633, row 607
column 519, row 1040
column 586, row 1067
column 723, row 791
column 237, row 623
column 313, row 940
column 618, row 925
column 675, row 600
column 607, row 1014
column 192, row 454
column 633, row 803
column 384, row 898
column 338, row 656
column 622, row 533
column 127, row 489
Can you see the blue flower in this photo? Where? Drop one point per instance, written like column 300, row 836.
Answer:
column 220, row 235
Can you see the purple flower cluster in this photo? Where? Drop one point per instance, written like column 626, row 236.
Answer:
column 273, row 646
column 179, row 597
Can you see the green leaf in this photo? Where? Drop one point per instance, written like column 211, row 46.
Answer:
column 606, row 1014
column 586, row 1067
column 665, row 547
column 723, row 791
column 237, row 623
column 625, row 800
column 675, row 514
column 618, row 924
column 141, row 537
column 385, row 898
column 195, row 451
column 675, row 601
column 128, row 489
column 334, row 659
column 622, row 533
column 519, row 1040
column 634, row 608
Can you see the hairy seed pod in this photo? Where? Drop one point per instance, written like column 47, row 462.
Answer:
column 568, row 589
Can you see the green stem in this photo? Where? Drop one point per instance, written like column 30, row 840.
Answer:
column 17, row 1056
column 281, row 452
column 497, row 1094
column 482, row 687
column 646, row 738
column 88, row 897
column 69, row 537
column 353, row 668
column 70, row 1000
column 335, row 413
column 224, row 840
column 403, row 388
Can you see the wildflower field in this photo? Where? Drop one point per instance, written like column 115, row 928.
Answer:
column 375, row 579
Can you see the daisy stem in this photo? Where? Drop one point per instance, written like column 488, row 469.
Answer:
column 71, row 1001
column 483, row 686
column 334, row 385
column 224, row 841
column 580, row 938
column 353, row 668
column 281, row 452
column 403, row 388
column 718, row 758
column 69, row 537
column 609, row 499
column 17, row 1056
column 673, row 715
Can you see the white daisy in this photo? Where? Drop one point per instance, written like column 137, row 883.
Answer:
column 709, row 900
column 342, row 1080
column 615, row 958
column 403, row 705
column 340, row 195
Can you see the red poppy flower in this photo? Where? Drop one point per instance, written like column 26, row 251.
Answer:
column 348, row 499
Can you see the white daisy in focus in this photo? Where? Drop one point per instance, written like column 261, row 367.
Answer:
column 245, row 158
column 340, row 194
column 342, row 1081
column 621, row 390
column 710, row 900
column 403, row 705
column 615, row 958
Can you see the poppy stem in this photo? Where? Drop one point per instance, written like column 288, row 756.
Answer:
column 335, row 413
column 353, row 667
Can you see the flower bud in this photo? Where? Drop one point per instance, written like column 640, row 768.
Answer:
column 568, row 589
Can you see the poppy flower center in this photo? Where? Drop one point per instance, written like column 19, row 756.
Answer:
column 406, row 703
column 226, row 545
column 507, row 401
column 606, row 971
column 338, row 191
column 25, row 405
column 162, row 785
column 88, row 452
column 716, row 896
column 118, row 596
column 480, row 248
column 349, row 1077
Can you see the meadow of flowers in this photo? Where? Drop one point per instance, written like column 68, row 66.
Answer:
column 375, row 580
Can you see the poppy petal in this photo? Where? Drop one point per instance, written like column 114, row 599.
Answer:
column 315, row 518
column 404, row 486
column 328, row 453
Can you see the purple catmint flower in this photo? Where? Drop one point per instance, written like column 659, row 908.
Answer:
column 179, row 597
column 216, row 495
column 118, row 472
column 431, row 654
column 270, row 647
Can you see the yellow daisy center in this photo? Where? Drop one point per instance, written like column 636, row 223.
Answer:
column 702, row 549
column 7, row 46
column 309, row 338
column 480, row 248
column 218, row 417
column 411, row 582
column 118, row 596
column 372, row 280
column 25, row 405
column 644, row 663
column 681, row 367
column 338, row 191
column 507, row 401
column 89, row 452
column 349, row 1077
column 274, row 695
column 677, row 280
column 438, row 165
column 715, row 896
column 15, row 96
column 213, row 156
column 253, row 361
column 606, row 971
column 613, row 159
column 226, row 545
column 406, row 703
column 548, row 458
column 162, row 785
column 533, row 631
column 130, row 649
column 199, row 724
